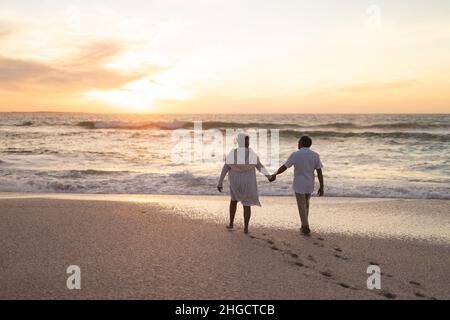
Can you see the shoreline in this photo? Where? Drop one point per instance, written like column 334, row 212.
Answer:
column 166, row 248
column 329, row 214
column 112, row 196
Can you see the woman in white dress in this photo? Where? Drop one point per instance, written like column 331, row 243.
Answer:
column 240, row 165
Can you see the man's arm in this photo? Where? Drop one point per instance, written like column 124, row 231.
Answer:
column 282, row 169
column 320, row 177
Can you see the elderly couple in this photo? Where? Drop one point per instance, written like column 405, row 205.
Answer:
column 240, row 165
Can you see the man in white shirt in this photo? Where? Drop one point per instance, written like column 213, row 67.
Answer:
column 305, row 162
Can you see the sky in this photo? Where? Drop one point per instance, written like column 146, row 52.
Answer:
column 217, row 56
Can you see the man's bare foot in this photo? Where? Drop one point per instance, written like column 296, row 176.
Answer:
column 305, row 230
column 230, row 226
column 245, row 230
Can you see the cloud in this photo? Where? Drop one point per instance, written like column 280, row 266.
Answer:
column 5, row 30
column 83, row 71
column 106, row 54
column 377, row 85
column 13, row 71
column 4, row 33
column 95, row 53
column 391, row 33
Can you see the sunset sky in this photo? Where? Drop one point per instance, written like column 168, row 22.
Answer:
column 223, row 56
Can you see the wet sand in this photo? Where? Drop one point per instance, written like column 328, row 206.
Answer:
column 172, row 247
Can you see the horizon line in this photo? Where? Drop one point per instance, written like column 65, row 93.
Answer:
column 234, row 113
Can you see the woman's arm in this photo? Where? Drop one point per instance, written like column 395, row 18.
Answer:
column 224, row 172
column 260, row 167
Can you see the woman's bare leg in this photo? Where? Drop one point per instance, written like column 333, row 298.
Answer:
column 247, row 215
column 233, row 206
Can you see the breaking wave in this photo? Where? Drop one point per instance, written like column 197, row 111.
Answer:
column 381, row 135
column 172, row 125
column 131, row 125
column 123, row 182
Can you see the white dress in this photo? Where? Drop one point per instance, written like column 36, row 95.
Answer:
column 240, row 166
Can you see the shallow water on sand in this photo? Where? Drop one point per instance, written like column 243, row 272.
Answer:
column 424, row 220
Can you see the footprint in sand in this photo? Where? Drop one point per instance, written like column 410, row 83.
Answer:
column 338, row 249
column 274, row 248
column 270, row 242
column 343, row 285
column 318, row 244
column 311, row 258
column 326, row 274
column 341, row 257
column 374, row 263
column 293, row 255
column 419, row 295
column 389, row 295
column 320, row 239
column 415, row 283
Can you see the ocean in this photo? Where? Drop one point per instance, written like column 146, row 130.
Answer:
column 388, row 156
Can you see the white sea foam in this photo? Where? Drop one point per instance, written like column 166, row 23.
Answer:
column 187, row 183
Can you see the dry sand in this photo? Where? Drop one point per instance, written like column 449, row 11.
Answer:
column 163, row 247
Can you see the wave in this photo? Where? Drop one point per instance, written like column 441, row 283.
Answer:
column 382, row 135
column 244, row 125
column 286, row 130
column 131, row 125
column 18, row 151
column 25, row 124
column 25, row 152
column 172, row 125
column 96, row 172
column 391, row 125
column 326, row 131
column 79, row 173
column 122, row 182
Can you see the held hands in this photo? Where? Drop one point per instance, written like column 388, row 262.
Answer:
column 272, row 178
column 219, row 188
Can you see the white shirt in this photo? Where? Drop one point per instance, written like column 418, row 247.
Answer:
column 305, row 162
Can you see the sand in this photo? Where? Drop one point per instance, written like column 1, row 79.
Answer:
column 172, row 247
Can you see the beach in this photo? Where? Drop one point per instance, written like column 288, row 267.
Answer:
column 177, row 247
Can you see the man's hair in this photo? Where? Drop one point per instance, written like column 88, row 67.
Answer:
column 305, row 141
